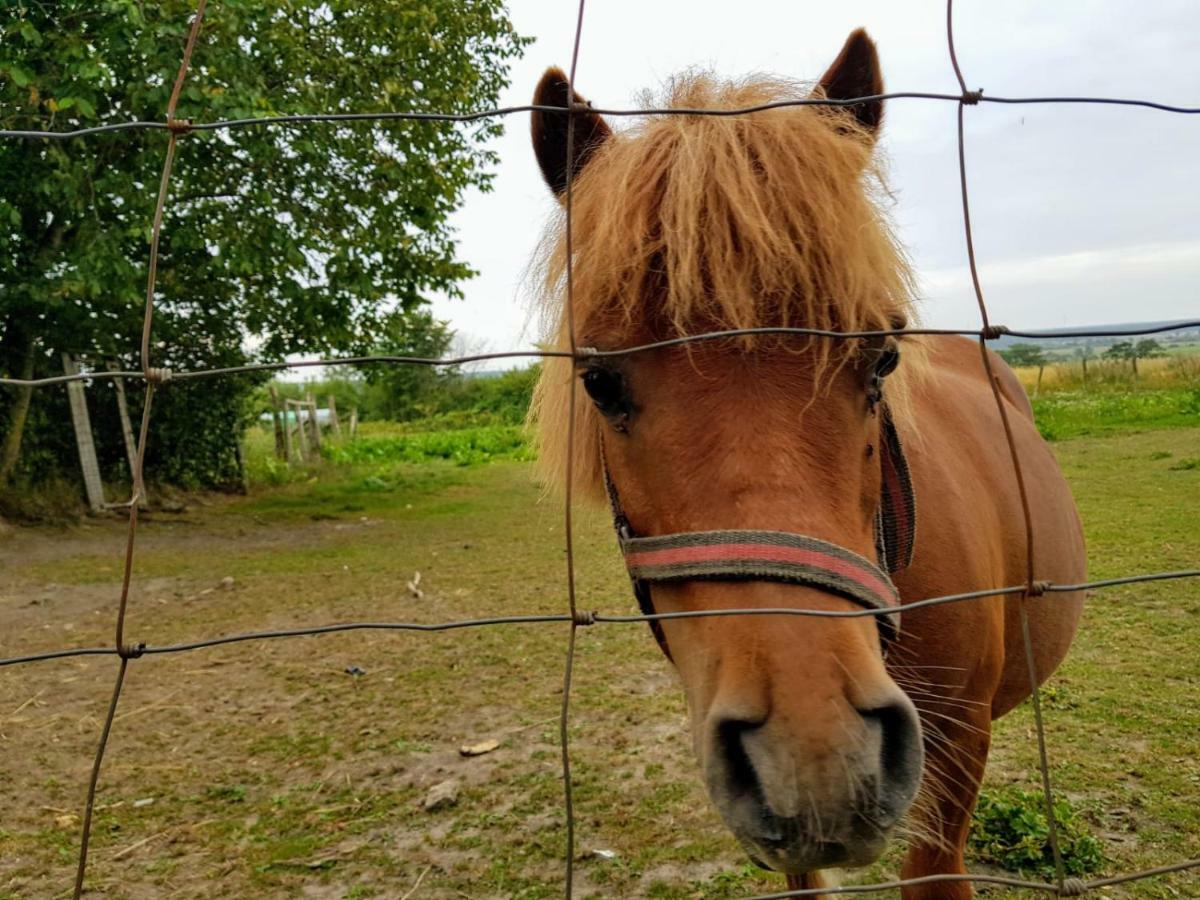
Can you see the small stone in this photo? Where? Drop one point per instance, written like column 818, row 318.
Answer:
column 479, row 749
column 144, row 801
column 355, row 670
column 440, row 796
column 598, row 854
column 227, row 583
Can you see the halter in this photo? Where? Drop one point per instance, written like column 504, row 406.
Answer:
column 745, row 555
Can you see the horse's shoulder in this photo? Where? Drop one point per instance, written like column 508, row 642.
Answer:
column 956, row 359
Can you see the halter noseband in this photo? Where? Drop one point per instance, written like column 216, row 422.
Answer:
column 782, row 556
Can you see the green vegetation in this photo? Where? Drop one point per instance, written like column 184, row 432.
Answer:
column 444, row 399
column 464, row 446
column 312, row 240
column 1012, row 832
column 1067, row 414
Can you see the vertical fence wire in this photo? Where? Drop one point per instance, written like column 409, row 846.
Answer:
column 569, row 472
column 125, row 650
column 969, row 97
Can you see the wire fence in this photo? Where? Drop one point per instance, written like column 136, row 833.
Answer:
column 155, row 378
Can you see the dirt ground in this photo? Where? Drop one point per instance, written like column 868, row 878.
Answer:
column 303, row 767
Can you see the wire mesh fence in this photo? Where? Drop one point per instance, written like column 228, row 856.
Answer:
column 156, row 379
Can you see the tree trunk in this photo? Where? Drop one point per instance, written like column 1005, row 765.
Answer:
column 11, row 452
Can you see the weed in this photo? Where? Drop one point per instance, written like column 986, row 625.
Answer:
column 1011, row 831
column 229, row 793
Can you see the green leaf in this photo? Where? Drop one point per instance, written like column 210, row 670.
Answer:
column 29, row 33
column 21, row 77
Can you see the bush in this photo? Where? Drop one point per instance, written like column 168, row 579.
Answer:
column 465, row 446
column 1011, row 831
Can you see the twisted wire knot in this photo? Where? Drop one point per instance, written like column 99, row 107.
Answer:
column 992, row 332
column 179, row 126
column 582, row 617
column 1072, row 887
column 1037, row 588
column 971, row 98
column 158, row 376
column 131, row 651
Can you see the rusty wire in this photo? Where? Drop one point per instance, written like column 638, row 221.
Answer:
column 593, row 617
column 970, row 98
column 582, row 354
column 325, row 118
column 574, row 618
column 568, row 500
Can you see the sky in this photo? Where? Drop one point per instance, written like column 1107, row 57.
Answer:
column 1082, row 215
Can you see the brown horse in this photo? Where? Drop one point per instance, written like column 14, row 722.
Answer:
column 815, row 735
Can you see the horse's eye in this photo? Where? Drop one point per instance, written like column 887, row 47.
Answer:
column 607, row 390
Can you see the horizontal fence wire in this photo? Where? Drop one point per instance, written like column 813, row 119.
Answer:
column 582, row 354
column 596, row 617
column 160, row 378
column 385, row 116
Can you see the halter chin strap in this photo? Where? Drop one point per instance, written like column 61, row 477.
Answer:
column 783, row 556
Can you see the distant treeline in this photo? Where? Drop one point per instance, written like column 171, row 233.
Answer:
column 404, row 394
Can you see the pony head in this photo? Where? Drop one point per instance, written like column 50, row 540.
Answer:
column 686, row 224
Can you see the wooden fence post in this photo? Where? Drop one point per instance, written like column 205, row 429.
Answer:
column 83, row 436
column 334, row 424
column 316, row 426
column 126, row 425
column 353, row 422
column 281, row 437
column 293, row 408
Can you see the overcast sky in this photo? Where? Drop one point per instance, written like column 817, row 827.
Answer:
column 1082, row 214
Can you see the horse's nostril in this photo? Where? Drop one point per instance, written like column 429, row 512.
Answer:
column 739, row 771
column 901, row 755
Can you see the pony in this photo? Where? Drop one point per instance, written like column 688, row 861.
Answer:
column 818, row 738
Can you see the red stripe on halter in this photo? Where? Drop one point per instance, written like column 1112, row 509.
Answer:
column 732, row 553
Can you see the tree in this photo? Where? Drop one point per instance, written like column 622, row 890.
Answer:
column 303, row 239
column 1148, row 348
column 1143, row 349
column 1026, row 355
column 399, row 391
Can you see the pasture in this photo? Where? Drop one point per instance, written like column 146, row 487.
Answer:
column 269, row 769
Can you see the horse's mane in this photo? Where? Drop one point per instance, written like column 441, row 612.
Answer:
column 684, row 224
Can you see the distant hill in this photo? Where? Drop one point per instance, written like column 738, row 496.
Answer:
column 1187, row 333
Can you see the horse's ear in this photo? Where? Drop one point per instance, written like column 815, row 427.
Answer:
column 856, row 73
column 550, row 132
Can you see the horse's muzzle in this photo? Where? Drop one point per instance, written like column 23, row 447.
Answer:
column 795, row 809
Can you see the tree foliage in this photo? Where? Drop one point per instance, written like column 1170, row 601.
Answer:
column 301, row 239
column 397, row 391
column 1021, row 355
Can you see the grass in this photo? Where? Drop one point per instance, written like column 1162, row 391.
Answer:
column 1069, row 414
column 274, row 773
column 1111, row 399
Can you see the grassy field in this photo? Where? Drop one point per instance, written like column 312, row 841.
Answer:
column 268, row 769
